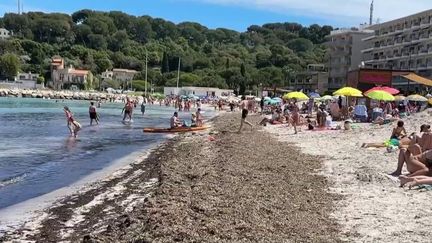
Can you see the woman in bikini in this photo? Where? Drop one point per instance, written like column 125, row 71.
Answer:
column 72, row 124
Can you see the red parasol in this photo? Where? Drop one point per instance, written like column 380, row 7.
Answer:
column 389, row 90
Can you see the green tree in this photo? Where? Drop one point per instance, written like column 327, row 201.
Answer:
column 9, row 65
column 165, row 63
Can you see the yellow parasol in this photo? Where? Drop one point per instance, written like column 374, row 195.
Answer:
column 348, row 91
column 380, row 95
column 430, row 101
column 400, row 98
column 295, row 95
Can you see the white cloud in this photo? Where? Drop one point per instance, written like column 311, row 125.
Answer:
column 337, row 9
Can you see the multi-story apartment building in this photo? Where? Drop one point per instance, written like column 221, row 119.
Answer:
column 314, row 79
column 344, row 53
column 401, row 44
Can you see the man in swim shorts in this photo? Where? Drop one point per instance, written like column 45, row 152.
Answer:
column 243, row 106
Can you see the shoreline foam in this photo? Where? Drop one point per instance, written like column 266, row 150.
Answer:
column 13, row 217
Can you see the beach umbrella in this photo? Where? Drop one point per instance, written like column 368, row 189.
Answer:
column 400, row 98
column 348, row 91
column 417, row 97
column 380, row 95
column 389, row 90
column 267, row 98
column 326, row 97
column 258, row 99
column 314, row 95
column 430, row 101
column 296, row 95
column 275, row 102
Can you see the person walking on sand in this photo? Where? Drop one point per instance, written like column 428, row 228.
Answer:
column 295, row 116
column 93, row 114
column 243, row 106
column 72, row 124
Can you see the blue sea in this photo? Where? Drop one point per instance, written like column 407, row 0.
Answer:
column 38, row 156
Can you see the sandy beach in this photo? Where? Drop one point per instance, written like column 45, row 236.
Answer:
column 263, row 185
column 373, row 207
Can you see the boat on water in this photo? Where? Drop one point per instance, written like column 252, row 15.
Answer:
column 174, row 130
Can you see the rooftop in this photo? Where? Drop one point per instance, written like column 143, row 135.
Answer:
column 124, row 70
column 79, row 72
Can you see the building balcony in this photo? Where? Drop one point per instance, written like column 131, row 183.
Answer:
column 423, row 51
column 369, row 38
column 368, row 50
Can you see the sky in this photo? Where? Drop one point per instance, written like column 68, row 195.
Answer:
column 239, row 14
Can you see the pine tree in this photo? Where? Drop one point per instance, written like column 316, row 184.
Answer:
column 165, row 63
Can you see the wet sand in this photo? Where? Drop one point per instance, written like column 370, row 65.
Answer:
column 246, row 187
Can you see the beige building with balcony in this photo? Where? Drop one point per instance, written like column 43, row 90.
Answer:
column 122, row 76
column 401, row 44
column 314, row 79
column 68, row 77
column 344, row 53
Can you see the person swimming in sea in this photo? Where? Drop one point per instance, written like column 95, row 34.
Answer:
column 72, row 124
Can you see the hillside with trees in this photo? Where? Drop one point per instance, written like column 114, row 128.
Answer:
column 269, row 55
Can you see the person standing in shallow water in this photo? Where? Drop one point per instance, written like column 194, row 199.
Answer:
column 244, row 108
column 128, row 109
column 143, row 107
column 93, row 114
column 72, row 124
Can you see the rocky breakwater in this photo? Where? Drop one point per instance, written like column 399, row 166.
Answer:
column 52, row 94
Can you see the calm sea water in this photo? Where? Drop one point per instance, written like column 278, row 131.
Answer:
column 37, row 155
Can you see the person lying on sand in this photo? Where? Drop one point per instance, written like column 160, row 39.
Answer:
column 398, row 133
column 381, row 121
column 415, row 181
column 415, row 147
column 274, row 118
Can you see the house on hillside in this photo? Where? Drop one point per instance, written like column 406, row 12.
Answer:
column 4, row 34
column 122, row 76
column 69, row 77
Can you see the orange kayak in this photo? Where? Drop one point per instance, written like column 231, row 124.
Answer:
column 174, row 130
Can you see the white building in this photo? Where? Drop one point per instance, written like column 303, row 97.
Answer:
column 4, row 34
column 27, row 76
column 198, row 91
column 401, row 44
